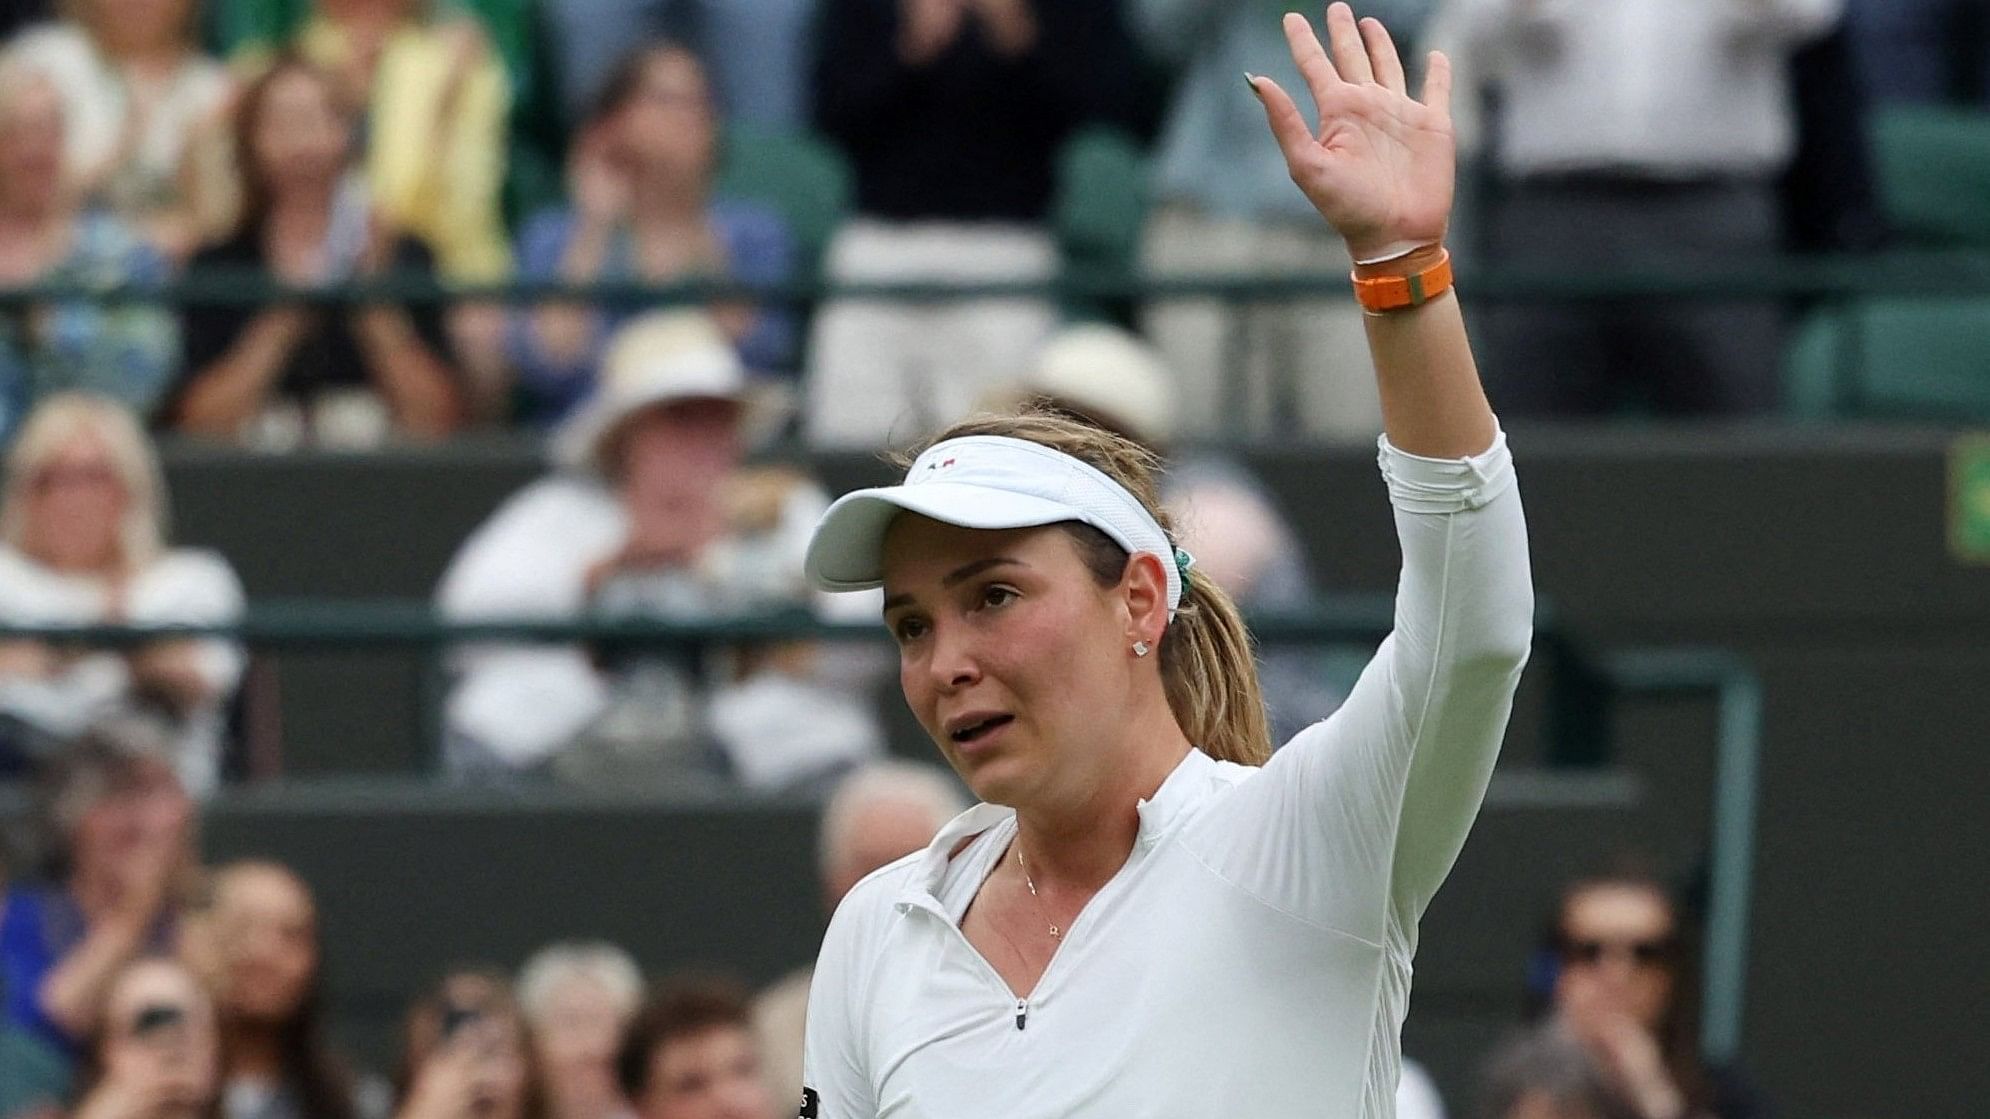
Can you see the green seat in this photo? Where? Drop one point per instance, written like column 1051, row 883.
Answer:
column 1933, row 171
column 1100, row 209
column 797, row 175
column 1897, row 358
column 32, row 1076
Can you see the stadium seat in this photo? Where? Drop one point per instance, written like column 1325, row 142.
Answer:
column 799, row 175
column 1933, row 167
column 1902, row 358
column 1100, row 207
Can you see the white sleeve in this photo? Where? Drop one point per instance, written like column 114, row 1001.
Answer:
column 1784, row 21
column 1367, row 810
column 198, row 588
column 835, row 1081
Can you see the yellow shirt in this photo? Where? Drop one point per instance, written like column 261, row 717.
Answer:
column 435, row 158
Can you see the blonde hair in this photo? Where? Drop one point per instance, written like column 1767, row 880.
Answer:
column 1207, row 664
column 918, row 784
column 60, row 420
column 598, row 962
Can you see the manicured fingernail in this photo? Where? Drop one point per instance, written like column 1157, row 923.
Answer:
column 1251, row 80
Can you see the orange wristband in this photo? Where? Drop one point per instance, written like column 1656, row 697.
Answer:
column 1382, row 294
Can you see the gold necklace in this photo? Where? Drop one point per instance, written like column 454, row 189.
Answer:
column 1031, row 883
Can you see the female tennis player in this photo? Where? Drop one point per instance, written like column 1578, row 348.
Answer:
column 1152, row 914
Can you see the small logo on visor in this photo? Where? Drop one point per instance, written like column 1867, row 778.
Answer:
column 940, row 465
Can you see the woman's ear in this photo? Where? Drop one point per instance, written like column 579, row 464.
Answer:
column 1143, row 588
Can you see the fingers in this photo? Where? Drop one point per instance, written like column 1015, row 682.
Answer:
column 1311, row 58
column 1287, row 125
column 1382, row 55
column 1437, row 83
column 1349, row 53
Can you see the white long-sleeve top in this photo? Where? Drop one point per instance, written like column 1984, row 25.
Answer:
column 1670, row 89
column 1252, row 957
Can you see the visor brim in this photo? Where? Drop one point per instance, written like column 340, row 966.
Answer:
column 847, row 551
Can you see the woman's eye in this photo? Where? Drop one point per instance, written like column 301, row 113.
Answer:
column 908, row 629
column 998, row 596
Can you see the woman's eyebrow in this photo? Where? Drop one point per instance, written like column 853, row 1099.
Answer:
column 955, row 578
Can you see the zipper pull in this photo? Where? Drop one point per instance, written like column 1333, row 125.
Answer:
column 1022, row 1013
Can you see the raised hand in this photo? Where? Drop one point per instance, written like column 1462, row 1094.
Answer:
column 1383, row 167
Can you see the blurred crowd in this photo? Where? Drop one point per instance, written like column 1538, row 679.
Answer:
column 312, row 144
column 139, row 984
column 316, row 143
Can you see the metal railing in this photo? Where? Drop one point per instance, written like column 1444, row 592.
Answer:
column 1579, row 682
column 1898, row 273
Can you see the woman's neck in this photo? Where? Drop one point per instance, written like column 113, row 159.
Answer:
column 665, row 202
column 253, row 1051
column 145, row 62
column 1083, row 842
column 300, row 216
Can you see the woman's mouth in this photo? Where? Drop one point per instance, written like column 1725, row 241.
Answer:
column 976, row 730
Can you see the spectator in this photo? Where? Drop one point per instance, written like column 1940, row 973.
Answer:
column 1605, row 161
column 758, row 50
column 118, row 823
column 138, row 95
column 952, row 112
column 468, row 1051
column 1921, row 51
column 691, row 1054
column 1617, row 1031
column 878, row 814
column 123, row 351
column 343, row 374
column 1225, row 204
column 1225, row 516
column 578, row 998
column 655, row 517
column 83, row 541
column 1547, row 1075
column 437, row 99
column 155, row 1056
column 276, row 1063
column 640, row 184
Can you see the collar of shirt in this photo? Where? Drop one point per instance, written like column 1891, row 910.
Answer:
column 1186, row 787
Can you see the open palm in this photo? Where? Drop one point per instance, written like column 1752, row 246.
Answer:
column 1383, row 166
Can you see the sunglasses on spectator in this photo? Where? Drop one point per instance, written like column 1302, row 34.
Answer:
column 64, row 477
column 1643, row 953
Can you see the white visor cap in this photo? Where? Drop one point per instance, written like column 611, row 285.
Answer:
column 984, row 482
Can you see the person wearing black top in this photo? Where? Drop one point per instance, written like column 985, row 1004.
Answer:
column 345, row 374
column 952, row 113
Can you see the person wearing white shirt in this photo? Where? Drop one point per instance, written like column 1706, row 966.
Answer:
column 82, row 542
column 654, row 516
column 140, row 97
column 1638, row 133
column 1151, row 913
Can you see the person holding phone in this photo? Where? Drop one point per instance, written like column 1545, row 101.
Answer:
column 157, row 1054
column 640, row 208
column 468, row 1054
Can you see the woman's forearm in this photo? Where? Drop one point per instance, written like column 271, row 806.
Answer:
column 222, row 397
column 418, row 386
column 73, row 992
column 1432, row 402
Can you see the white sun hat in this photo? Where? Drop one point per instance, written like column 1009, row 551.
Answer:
column 984, row 482
column 659, row 358
column 1108, row 373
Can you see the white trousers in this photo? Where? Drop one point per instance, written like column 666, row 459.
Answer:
column 1293, row 368
column 885, row 373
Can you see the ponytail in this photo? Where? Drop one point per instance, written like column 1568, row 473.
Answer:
column 1208, row 668
column 1211, row 675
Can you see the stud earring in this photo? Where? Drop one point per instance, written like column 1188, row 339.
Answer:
column 1141, row 648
